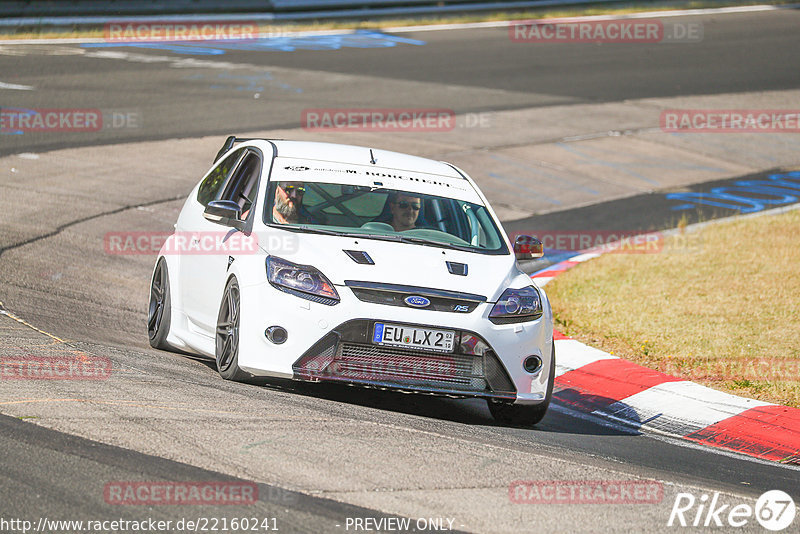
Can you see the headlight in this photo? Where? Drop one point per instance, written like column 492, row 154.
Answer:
column 302, row 280
column 517, row 305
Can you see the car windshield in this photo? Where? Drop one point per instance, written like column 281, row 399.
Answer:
column 380, row 213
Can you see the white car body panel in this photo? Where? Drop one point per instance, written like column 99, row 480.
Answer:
column 197, row 281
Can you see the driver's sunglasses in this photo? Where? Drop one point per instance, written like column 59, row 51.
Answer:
column 403, row 205
column 298, row 189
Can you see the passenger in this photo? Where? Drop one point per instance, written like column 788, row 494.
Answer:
column 405, row 211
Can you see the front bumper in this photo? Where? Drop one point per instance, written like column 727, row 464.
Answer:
column 333, row 343
column 347, row 355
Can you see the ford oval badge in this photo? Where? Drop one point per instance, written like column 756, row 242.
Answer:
column 417, row 302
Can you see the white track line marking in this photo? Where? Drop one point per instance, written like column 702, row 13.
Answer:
column 647, row 14
column 16, row 86
column 571, row 355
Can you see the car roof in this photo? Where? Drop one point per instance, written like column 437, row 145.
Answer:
column 359, row 155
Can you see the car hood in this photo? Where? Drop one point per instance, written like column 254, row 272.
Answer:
column 402, row 263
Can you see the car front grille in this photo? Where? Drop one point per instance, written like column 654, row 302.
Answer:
column 409, row 367
column 347, row 355
column 397, row 299
column 395, row 295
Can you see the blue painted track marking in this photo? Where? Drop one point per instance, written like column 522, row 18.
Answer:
column 358, row 39
column 745, row 196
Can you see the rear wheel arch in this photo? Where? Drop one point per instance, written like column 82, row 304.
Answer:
column 159, row 313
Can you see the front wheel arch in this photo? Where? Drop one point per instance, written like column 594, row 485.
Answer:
column 227, row 334
column 524, row 415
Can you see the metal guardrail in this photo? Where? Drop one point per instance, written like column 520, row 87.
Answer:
column 268, row 9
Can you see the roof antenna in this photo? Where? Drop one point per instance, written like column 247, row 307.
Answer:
column 372, row 157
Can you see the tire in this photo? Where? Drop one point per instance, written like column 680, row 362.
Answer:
column 520, row 414
column 159, row 312
column 227, row 338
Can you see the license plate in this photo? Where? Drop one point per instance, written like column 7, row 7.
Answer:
column 414, row 338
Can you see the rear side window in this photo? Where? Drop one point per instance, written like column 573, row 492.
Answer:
column 211, row 188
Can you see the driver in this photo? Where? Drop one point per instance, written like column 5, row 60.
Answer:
column 405, row 211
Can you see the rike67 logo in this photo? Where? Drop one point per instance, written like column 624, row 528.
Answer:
column 774, row 510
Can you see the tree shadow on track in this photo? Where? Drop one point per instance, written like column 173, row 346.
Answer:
column 592, row 410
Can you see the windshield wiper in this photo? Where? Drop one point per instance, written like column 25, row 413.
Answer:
column 397, row 238
column 303, row 228
column 323, row 231
column 381, row 237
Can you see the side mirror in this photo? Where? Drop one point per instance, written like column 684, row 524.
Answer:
column 225, row 212
column 527, row 248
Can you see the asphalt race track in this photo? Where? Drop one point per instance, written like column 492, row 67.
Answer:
column 471, row 70
column 559, row 136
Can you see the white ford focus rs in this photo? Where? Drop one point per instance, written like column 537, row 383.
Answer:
column 325, row 262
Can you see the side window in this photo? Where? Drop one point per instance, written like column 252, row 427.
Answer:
column 241, row 187
column 212, row 185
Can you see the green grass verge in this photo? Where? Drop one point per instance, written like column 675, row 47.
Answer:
column 724, row 312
